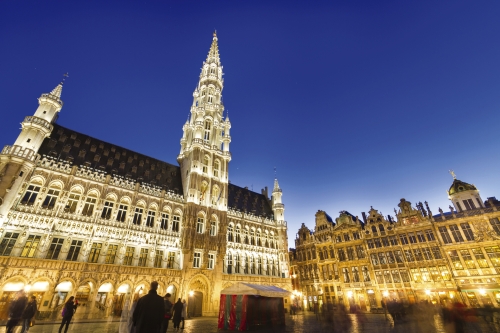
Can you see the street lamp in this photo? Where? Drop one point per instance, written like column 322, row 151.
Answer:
column 385, row 294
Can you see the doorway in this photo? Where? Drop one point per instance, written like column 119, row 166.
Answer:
column 195, row 304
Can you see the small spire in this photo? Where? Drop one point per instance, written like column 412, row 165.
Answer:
column 227, row 116
column 276, row 185
column 57, row 91
column 452, row 173
column 213, row 53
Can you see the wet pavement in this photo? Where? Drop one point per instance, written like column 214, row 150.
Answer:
column 301, row 323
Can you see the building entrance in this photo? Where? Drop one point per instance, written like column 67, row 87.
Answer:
column 195, row 304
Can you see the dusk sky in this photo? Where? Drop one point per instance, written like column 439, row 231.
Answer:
column 356, row 103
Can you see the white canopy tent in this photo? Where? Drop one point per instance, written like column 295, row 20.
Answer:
column 241, row 288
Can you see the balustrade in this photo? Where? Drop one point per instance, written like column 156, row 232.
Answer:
column 19, row 151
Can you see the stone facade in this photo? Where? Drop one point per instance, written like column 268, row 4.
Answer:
column 80, row 216
column 414, row 257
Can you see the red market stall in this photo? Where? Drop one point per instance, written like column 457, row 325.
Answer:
column 246, row 306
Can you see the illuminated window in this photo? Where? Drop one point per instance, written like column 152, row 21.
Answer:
column 457, row 264
column 430, row 235
column 30, row 246
column 74, row 250
column 403, row 239
column 456, row 233
column 30, row 195
column 89, row 206
column 445, row 235
column 143, row 257
column 95, row 250
column 495, row 224
column 150, row 219
column 469, row 235
column 158, row 258
column 213, row 228
column 199, row 225
column 211, row 261
column 436, row 252
column 50, row 199
column 111, row 254
column 129, row 256
column 106, row 211
column 164, row 221
column 480, row 258
column 493, row 253
column 420, row 236
column 175, row 223
column 208, row 126
column 55, row 248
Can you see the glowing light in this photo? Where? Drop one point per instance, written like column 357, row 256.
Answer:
column 451, row 295
column 428, row 292
column 27, row 288
column 385, row 293
column 169, row 289
column 191, row 293
column 349, row 294
column 370, row 291
column 482, row 291
column 293, row 296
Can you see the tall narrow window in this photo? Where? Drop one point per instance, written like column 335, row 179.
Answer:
column 197, row 260
column 211, row 261
column 345, row 273
column 122, row 213
column 403, row 239
column 469, row 235
column 426, row 253
column 30, row 246
column 259, row 265
column 355, row 274
column 95, row 250
column 252, row 237
column 399, row 256
column 171, row 260
column 495, row 224
column 252, row 265
column 216, row 168
column 430, row 235
column 395, row 276
column 30, row 195
column 366, row 274
column 480, row 258
column 111, row 254
column 55, row 248
column 411, row 236
column 213, row 228
column 199, row 225
column 176, row 221
column 342, row 256
column 206, row 136
column 129, row 255
column 107, row 210
column 230, row 233
column 467, row 257
column 138, row 216
column 72, row 203
column 445, row 235
column 158, row 258
column 350, row 253
column 150, row 219
column 74, row 250
column 204, row 167
column 238, row 234
column 456, row 233
column 88, row 208
column 390, row 257
column 455, row 259
column 494, row 253
column 237, row 263
column 50, row 199
column 143, row 257
column 420, row 236
column 436, row 252
column 164, row 221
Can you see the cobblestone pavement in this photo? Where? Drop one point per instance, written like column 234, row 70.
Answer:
column 300, row 323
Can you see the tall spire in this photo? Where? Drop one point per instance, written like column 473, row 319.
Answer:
column 57, row 91
column 213, row 53
column 276, row 185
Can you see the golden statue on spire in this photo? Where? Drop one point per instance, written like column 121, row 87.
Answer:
column 452, row 173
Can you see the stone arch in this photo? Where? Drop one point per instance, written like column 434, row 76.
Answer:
column 141, row 203
column 125, row 199
column 111, row 196
column 94, row 192
column 76, row 189
column 14, row 279
column 56, row 184
column 38, row 179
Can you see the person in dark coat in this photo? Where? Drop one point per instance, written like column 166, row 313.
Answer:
column 177, row 313
column 67, row 313
column 168, row 313
column 28, row 314
column 149, row 312
column 16, row 309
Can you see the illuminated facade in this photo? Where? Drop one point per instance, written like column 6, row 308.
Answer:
column 80, row 216
column 417, row 256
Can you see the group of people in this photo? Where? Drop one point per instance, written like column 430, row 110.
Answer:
column 152, row 313
column 21, row 310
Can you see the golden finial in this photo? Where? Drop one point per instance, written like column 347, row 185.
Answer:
column 215, row 33
column 452, row 173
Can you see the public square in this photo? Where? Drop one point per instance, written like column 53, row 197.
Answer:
column 303, row 322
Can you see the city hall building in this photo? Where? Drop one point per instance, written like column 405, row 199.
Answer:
column 416, row 256
column 84, row 217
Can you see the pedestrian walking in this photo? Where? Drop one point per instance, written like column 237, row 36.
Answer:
column 149, row 311
column 67, row 313
column 177, row 310
column 184, row 312
column 16, row 309
column 28, row 314
column 167, row 314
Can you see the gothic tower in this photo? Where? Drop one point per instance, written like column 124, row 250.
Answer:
column 18, row 160
column 204, row 158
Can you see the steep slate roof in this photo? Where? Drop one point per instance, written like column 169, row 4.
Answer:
column 244, row 200
column 81, row 149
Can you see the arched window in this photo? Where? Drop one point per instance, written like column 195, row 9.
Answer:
column 205, row 164
column 215, row 195
column 259, row 240
column 230, row 233
column 245, row 236
column 325, row 252
column 374, row 230
column 108, row 208
column 237, row 263
column 31, row 193
column 51, row 197
column 381, row 228
column 252, row 237
column 259, row 265
column 213, row 228
column 252, row 265
column 200, row 224
column 122, row 211
column 208, row 127
column 176, row 222
column 216, row 168
column 238, row 234
column 139, row 210
column 88, row 208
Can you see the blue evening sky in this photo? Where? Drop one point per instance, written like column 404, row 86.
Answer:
column 356, row 103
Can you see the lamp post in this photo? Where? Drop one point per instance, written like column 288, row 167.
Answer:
column 385, row 294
